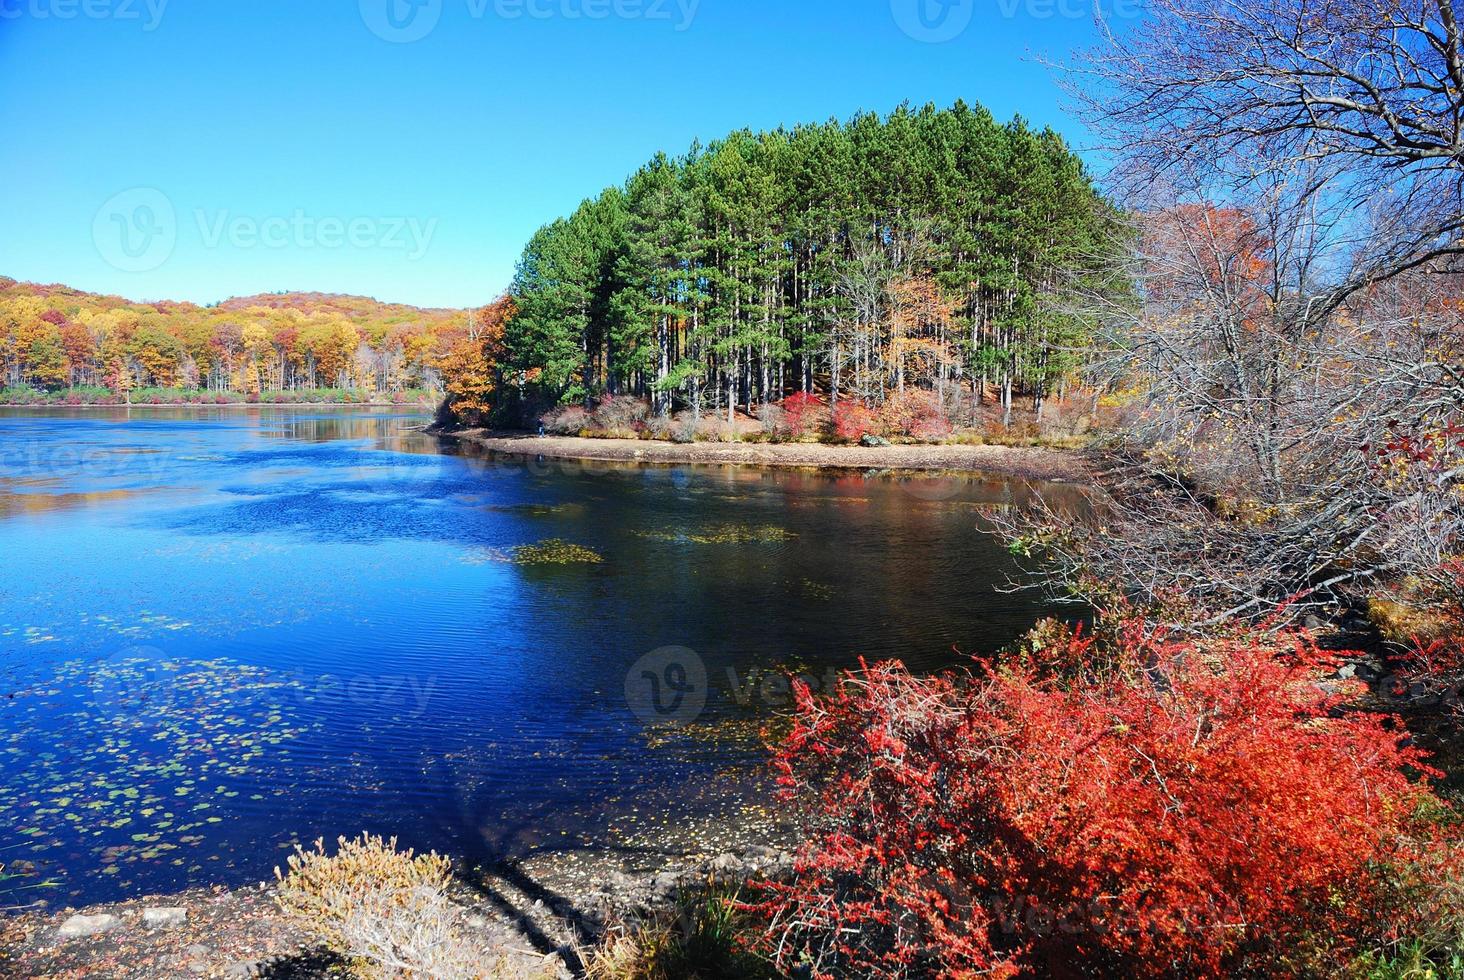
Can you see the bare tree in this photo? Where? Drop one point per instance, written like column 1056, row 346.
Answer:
column 1248, row 478
column 1362, row 100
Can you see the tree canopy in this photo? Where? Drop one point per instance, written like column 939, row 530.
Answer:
column 853, row 258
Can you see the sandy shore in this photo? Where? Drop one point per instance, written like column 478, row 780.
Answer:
column 1027, row 463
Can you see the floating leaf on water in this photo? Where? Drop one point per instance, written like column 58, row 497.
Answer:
column 554, row 551
column 724, row 534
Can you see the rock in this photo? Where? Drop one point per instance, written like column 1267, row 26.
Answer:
column 88, row 925
column 244, row 968
column 870, row 441
column 164, row 917
column 727, row 864
column 666, row 883
column 1370, row 671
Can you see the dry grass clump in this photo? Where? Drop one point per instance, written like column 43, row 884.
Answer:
column 387, row 909
column 1403, row 621
column 704, row 938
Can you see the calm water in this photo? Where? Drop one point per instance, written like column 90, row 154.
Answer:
column 223, row 631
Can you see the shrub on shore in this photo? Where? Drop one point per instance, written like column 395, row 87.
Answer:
column 1128, row 805
column 917, row 414
column 852, row 422
column 914, row 416
column 703, row 937
column 388, row 909
column 805, row 416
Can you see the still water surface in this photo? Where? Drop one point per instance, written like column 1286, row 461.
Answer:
column 222, row 631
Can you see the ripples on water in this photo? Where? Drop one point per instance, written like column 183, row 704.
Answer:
column 222, row 631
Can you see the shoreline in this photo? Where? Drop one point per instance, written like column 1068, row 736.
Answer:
column 51, row 407
column 1032, row 463
column 536, row 918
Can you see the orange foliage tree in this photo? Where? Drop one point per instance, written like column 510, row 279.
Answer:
column 470, row 369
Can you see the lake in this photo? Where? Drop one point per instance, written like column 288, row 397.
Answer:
column 226, row 630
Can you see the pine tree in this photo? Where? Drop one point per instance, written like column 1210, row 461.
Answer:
column 770, row 263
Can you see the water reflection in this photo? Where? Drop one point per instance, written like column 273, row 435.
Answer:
column 294, row 610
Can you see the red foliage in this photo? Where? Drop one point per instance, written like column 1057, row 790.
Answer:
column 804, row 415
column 621, row 415
column 1435, row 655
column 1176, row 810
column 916, row 413
column 852, row 421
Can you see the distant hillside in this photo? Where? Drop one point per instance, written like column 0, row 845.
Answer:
column 54, row 337
column 345, row 305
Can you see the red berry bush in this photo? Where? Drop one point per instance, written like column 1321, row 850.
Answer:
column 852, row 422
column 804, row 415
column 1137, row 806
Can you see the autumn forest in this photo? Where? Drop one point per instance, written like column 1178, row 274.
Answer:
column 63, row 344
column 917, row 255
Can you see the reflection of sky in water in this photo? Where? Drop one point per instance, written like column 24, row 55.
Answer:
column 226, row 630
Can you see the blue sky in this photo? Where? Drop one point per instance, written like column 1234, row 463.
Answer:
column 406, row 149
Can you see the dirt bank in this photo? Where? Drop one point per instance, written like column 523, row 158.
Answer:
column 1023, row 462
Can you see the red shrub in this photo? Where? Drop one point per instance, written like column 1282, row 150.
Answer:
column 1178, row 811
column 916, row 413
column 566, row 420
column 804, row 415
column 621, row 415
column 852, row 421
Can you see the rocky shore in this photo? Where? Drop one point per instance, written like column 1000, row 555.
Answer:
column 536, row 920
